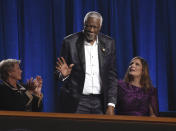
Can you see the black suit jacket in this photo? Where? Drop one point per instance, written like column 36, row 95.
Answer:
column 18, row 100
column 73, row 52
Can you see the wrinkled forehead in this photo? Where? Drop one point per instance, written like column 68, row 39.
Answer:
column 92, row 20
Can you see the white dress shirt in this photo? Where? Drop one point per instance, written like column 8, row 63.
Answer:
column 92, row 84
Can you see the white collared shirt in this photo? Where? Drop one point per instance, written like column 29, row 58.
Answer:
column 92, row 84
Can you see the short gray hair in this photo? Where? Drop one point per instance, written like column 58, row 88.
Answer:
column 6, row 66
column 95, row 15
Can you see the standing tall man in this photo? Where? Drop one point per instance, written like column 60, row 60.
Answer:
column 87, row 67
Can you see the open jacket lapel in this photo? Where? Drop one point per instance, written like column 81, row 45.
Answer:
column 80, row 48
column 101, row 50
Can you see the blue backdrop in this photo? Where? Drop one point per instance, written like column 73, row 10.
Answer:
column 33, row 30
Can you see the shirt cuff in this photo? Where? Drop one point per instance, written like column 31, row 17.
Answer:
column 111, row 104
column 63, row 78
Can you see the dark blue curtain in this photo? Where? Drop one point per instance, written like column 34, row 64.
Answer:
column 33, row 30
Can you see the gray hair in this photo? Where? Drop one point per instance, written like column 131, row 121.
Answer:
column 95, row 15
column 6, row 66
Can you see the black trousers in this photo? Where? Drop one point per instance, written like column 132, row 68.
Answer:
column 90, row 104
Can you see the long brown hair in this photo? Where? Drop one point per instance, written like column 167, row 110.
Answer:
column 145, row 80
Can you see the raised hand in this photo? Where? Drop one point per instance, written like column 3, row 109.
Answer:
column 30, row 84
column 34, row 86
column 63, row 67
column 38, row 84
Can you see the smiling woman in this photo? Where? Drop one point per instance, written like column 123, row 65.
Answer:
column 136, row 95
column 13, row 95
